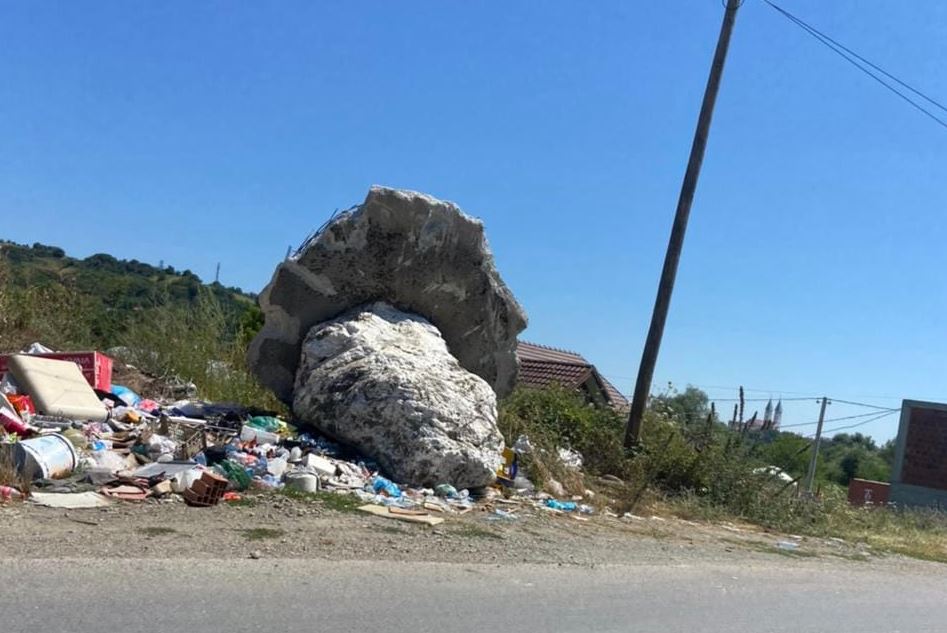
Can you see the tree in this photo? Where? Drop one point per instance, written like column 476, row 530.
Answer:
column 687, row 407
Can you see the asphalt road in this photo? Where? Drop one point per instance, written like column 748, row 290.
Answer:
column 233, row 596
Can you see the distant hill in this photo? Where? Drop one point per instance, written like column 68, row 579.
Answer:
column 112, row 290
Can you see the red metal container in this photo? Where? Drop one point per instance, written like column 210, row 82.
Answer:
column 863, row 492
column 95, row 366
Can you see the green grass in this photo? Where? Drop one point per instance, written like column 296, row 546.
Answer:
column 261, row 534
column 329, row 500
column 339, row 502
column 157, row 530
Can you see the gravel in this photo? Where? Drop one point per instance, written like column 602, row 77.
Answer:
column 269, row 525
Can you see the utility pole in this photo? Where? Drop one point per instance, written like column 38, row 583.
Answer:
column 810, row 476
column 649, row 356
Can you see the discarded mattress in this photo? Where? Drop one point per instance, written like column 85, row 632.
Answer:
column 57, row 388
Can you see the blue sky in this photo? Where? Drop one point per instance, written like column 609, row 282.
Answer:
column 224, row 131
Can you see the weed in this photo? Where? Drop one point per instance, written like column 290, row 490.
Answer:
column 8, row 472
column 329, row 500
column 193, row 344
column 260, row 534
column 339, row 502
column 700, row 469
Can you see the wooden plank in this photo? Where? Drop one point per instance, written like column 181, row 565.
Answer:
column 382, row 511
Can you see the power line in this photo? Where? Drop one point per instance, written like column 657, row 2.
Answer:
column 841, row 419
column 850, row 56
column 761, row 399
column 852, row 426
column 862, row 404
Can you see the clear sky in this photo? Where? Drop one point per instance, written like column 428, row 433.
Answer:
column 197, row 133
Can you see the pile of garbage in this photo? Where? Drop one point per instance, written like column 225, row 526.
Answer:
column 76, row 440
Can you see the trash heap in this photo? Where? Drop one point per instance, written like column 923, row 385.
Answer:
column 75, row 440
column 390, row 333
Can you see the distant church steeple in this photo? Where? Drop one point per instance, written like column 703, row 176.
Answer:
column 778, row 414
column 768, row 414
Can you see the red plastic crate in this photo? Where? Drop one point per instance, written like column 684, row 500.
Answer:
column 95, row 366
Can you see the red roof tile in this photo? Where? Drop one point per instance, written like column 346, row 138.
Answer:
column 542, row 366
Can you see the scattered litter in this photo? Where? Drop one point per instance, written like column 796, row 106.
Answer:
column 390, row 513
column 564, row 506
column 70, row 501
column 787, row 545
column 382, row 485
column 126, row 493
column 502, row 515
column 445, row 490
column 70, row 429
column 46, row 456
column 302, row 481
column 57, row 387
column 570, row 458
column 9, row 493
column 206, row 491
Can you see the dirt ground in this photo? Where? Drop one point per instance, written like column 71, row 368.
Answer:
column 271, row 525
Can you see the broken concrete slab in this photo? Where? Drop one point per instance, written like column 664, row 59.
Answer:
column 422, row 255
column 383, row 381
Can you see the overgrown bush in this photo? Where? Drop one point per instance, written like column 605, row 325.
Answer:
column 556, row 418
column 55, row 315
column 196, row 345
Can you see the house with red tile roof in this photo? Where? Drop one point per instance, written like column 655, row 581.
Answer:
column 542, row 366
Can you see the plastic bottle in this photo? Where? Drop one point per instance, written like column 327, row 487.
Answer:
column 565, row 506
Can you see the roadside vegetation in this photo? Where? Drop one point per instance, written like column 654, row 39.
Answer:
column 691, row 465
column 171, row 326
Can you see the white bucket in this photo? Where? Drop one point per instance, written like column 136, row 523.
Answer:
column 46, row 457
column 302, row 481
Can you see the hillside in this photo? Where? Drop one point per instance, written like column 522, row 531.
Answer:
column 104, row 293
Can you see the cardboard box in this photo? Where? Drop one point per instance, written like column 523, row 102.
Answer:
column 95, row 366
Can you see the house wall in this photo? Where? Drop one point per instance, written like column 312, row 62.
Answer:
column 919, row 476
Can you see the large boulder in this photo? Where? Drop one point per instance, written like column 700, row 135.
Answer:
column 383, row 381
column 417, row 253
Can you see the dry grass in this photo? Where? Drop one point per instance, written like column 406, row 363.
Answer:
column 915, row 532
column 8, row 473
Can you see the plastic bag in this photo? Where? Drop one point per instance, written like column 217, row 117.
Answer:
column 126, row 395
